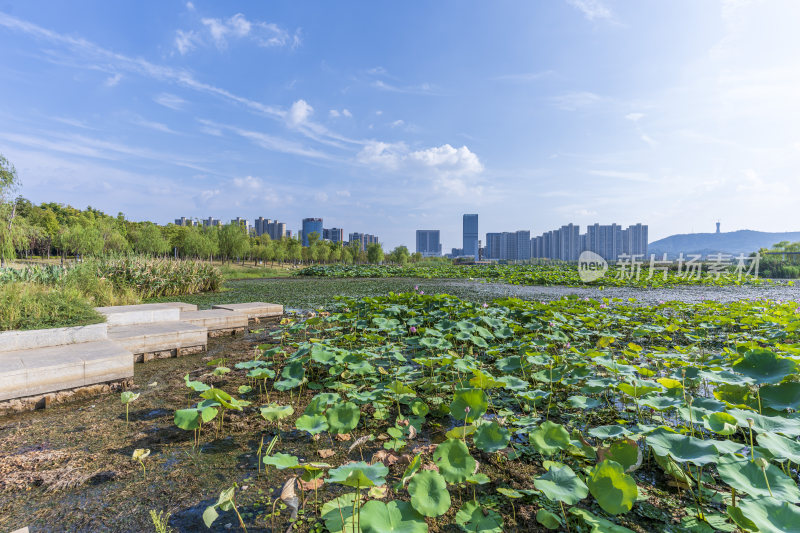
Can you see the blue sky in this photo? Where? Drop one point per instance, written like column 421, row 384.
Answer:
column 386, row 117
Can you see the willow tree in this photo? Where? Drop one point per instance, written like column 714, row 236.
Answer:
column 12, row 235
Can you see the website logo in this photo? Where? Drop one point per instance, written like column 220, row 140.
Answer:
column 591, row 266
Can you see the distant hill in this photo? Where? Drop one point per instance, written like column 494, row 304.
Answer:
column 732, row 242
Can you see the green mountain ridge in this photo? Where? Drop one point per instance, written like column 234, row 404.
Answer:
column 732, row 242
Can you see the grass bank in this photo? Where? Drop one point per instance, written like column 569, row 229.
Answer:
column 46, row 296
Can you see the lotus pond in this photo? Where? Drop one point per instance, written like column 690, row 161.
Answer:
column 428, row 412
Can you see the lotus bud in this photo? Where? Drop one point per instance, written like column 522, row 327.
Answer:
column 750, row 422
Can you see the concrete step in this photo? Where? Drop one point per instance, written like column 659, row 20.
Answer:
column 41, row 338
column 216, row 319
column 144, row 313
column 55, row 368
column 148, row 341
column 253, row 309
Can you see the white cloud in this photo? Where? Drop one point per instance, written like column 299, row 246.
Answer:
column 616, row 174
column 223, row 31
column 343, row 193
column 186, row 41
column 190, row 6
column 524, row 76
column 635, row 117
column 451, row 170
column 397, row 123
column 170, row 100
column 321, row 197
column 592, row 9
column 423, row 88
column 299, row 113
column 573, row 101
column 158, row 126
column 113, row 81
column 248, row 182
column 335, row 113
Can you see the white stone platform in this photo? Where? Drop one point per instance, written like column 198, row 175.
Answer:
column 53, row 368
column 254, row 310
column 218, row 321
column 144, row 313
column 159, row 339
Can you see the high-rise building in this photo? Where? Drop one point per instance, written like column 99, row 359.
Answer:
column 276, row 230
column 470, row 235
column 243, row 223
column 428, row 243
column 333, row 234
column 211, row 222
column 608, row 241
column 364, row 239
column 183, row 221
column 311, row 225
column 514, row 246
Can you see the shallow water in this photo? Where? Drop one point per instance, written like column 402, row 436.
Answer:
column 306, row 293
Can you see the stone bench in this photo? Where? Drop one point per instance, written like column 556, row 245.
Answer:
column 254, row 310
column 218, row 321
column 119, row 315
column 69, row 367
column 159, row 340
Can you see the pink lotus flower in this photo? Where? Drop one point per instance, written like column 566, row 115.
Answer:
column 422, row 292
column 485, row 305
column 412, row 329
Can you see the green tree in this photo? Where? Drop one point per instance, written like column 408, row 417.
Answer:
column 147, row 239
column 375, row 253
column 399, row 255
column 11, row 237
column 233, row 241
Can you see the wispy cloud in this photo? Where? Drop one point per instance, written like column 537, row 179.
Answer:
column 617, row 174
column 267, row 141
column 113, row 81
column 573, row 101
column 592, row 9
column 422, row 88
column 524, row 76
column 170, row 100
column 158, row 126
column 220, row 32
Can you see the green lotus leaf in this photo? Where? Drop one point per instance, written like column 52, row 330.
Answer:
column 395, row 516
column 781, row 397
column 513, row 383
column 359, row 474
column 771, row 516
column 720, row 423
column 767, row 424
column 582, row 402
column 472, row 399
column 548, row 519
column 475, row 519
column 660, row 403
column 764, row 366
column 337, row 512
column 782, row 448
column 682, row 448
column 609, row 432
column 343, row 417
column 492, row 437
column 746, row 476
column 639, row 387
column 561, row 484
column 312, row 423
column 128, row 396
column 196, row 386
column 321, row 402
column 614, row 490
column 274, row 412
column 598, row 525
column 281, row 461
column 429, row 494
column 454, row 461
column 412, row 468
column 261, row 373
column 625, row 452
column 187, row 419
column 549, row 438
column 737, row 516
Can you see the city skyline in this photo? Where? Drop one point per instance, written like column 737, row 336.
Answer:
column 533, row 114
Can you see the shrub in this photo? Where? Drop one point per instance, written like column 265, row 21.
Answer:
column 34, row 306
